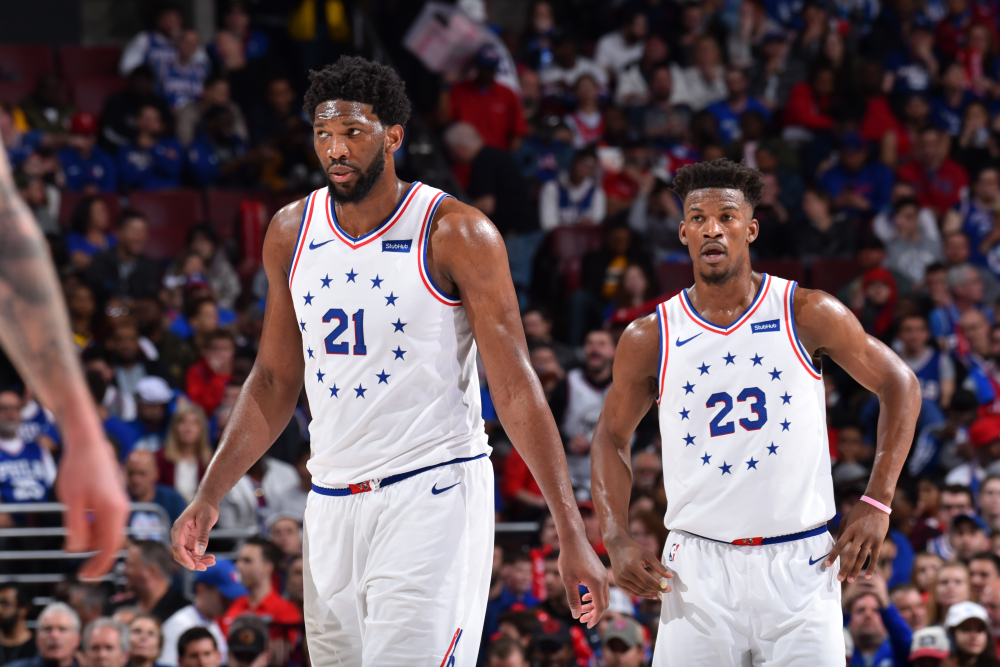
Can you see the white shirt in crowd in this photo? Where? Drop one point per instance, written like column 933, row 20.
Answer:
column 240, row 509
column 183, row 620
column 551, row 215
column 554, row 76
column 614, row 54
column 694, row 90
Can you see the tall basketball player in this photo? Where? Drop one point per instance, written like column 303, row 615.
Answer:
column 749, row 574
column 35, row 332
column 379, row 292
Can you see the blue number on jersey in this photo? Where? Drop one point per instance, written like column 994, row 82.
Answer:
column 757, row 407
column 332, row 346
column 717, row 428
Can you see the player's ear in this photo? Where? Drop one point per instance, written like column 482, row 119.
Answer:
column 682, row 233
column 393, row 138
column 753, row 230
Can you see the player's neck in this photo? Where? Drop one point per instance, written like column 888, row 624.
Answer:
column 359, row 218
column 724, row 303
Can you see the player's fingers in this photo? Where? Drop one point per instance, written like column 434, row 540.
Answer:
column 108, row 537
column 847, row 558
column 573, row 595
column 647, row 583
column 859, row 560
column 77, row 527
column 183, row 553
column 841, row 544
column 597, row 600
column 658, row 567
column 873, row 560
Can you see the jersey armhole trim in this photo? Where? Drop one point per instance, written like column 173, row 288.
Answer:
column 664, row 341
column 300, row 239
column 425, row 275
column 793, row 337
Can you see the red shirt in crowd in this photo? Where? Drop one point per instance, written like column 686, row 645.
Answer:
column 879, row 120
column 804, row 109
column 494, row 111
column 205, row 386
column 938, row 190
column 284, row 616
column 517, row 477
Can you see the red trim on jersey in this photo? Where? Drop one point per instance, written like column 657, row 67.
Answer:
column 791, row 339
column 661, row 311
column 377, row 232
column 302, row 240
column 451, row 646
column 424, row 230
column 740, row 322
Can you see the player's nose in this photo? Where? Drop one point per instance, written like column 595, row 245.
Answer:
column 712, row 228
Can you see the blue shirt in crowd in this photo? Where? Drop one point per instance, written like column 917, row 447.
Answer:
column 157, row 168
column 873, row 182
column 729, row 120
column 98, row 170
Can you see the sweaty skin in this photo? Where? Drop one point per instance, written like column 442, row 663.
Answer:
column 718, row 228
column 467, row 258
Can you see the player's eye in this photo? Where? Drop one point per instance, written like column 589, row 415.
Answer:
column 322, row 135
column 353, row 132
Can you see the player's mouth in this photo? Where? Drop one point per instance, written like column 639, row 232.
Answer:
column 713, row 254
column 340, row 174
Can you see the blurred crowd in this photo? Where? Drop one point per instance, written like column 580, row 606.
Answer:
column 876, row 127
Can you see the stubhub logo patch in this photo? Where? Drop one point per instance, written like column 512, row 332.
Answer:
column 769, row 325
column 397, row 246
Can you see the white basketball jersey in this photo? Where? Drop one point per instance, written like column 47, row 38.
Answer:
column 390, row 359
column 743, row 421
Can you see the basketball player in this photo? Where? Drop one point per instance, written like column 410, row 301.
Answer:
column 34, row 331
column 749, row 573
column 379, row 292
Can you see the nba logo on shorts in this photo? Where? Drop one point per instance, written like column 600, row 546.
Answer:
column 673, row 552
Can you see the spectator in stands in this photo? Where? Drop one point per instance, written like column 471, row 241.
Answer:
column 704, row 82
column 141, row 475
column 89, row 232
column 273, row 118
column 976, row 147
column 934, row 370
column 566, row 67
column 196, row 647
column 506, row 652
column 87, row 168
column 180, row 81
column 911, row 69
column 855, row 184
column 775, row 73
column 537, row 321
column 624, row 641
column 984, row 574
column 949, row 107
column 146, row 638
column 57, row 639
column 955, row 501
column 44, row 108
column 940, row 181
column 738, row 101
column 186, row 452
column 249, row 645
column 810, row 102
column 989, row 502
column 88, row 601
column 124, row 270
column 577, row 403
column 215, row 589
column 216, row 92
column 968, row 537
column 149, row 568
column 286, row 533
column 632, row 85
column 295, row 582
column 879, row 632
column 292, row 502
column 950, row 588
column 257, row 562
column 957, row 252
column 152, row 160
column 575, row 198
column 255, row 496
column 517, row 585
column 27, row 469
column 106, row 643
column 910, row 605
column 619, row 49
column 824, row 233
column 969, row 627
column 206, row 380
column 658, row 119
column 16, row 640
column 121, row 110
column 246, row 77
column 974, row 215
column 218, row 156
column 42, row 198
column 553, row 644
column 156, row 47
column 131, row 367
column 911, row 251
column 490, row 107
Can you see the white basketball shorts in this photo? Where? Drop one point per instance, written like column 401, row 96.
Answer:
column 399, row 575
column 750, row 606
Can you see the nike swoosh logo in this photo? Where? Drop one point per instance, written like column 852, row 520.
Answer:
column 680, row 342
column 813, row 562
column 436, row 490
column 313, row 245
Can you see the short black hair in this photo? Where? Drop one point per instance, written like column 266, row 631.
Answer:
column 960, row 489
column 191, row 635
column 721, row 173
column 130, row 214
column 987, row 556
column 23, row 601
column 268, row 550
column 355, row 79
column 905, row 202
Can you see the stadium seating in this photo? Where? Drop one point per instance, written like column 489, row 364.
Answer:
column 89, row 93
column 171, row 214
column 830, row 275
column 87, row 61
column 24, row 62
column 69, row 200
column 789, row 269
column 674, row 277
column 13, row 92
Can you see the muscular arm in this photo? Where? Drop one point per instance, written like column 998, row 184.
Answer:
column 826, row 326
column 35, row 332
column 631, row 395
column 265, row 405
column 467, row 256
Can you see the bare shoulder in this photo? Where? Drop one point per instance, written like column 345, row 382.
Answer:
column 283, row 233
column 456, row 223
column 823, row 322
column 638, row 352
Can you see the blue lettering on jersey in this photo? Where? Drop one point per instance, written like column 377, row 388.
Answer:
column 397, row 246
column 769, row 325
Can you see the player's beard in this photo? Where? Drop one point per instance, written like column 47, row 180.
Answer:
column 365, row 183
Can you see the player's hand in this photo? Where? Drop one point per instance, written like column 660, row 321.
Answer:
column 638, row 571
column 860, row 537
column 90, row 480
column 189, row 536
column 579, row 564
